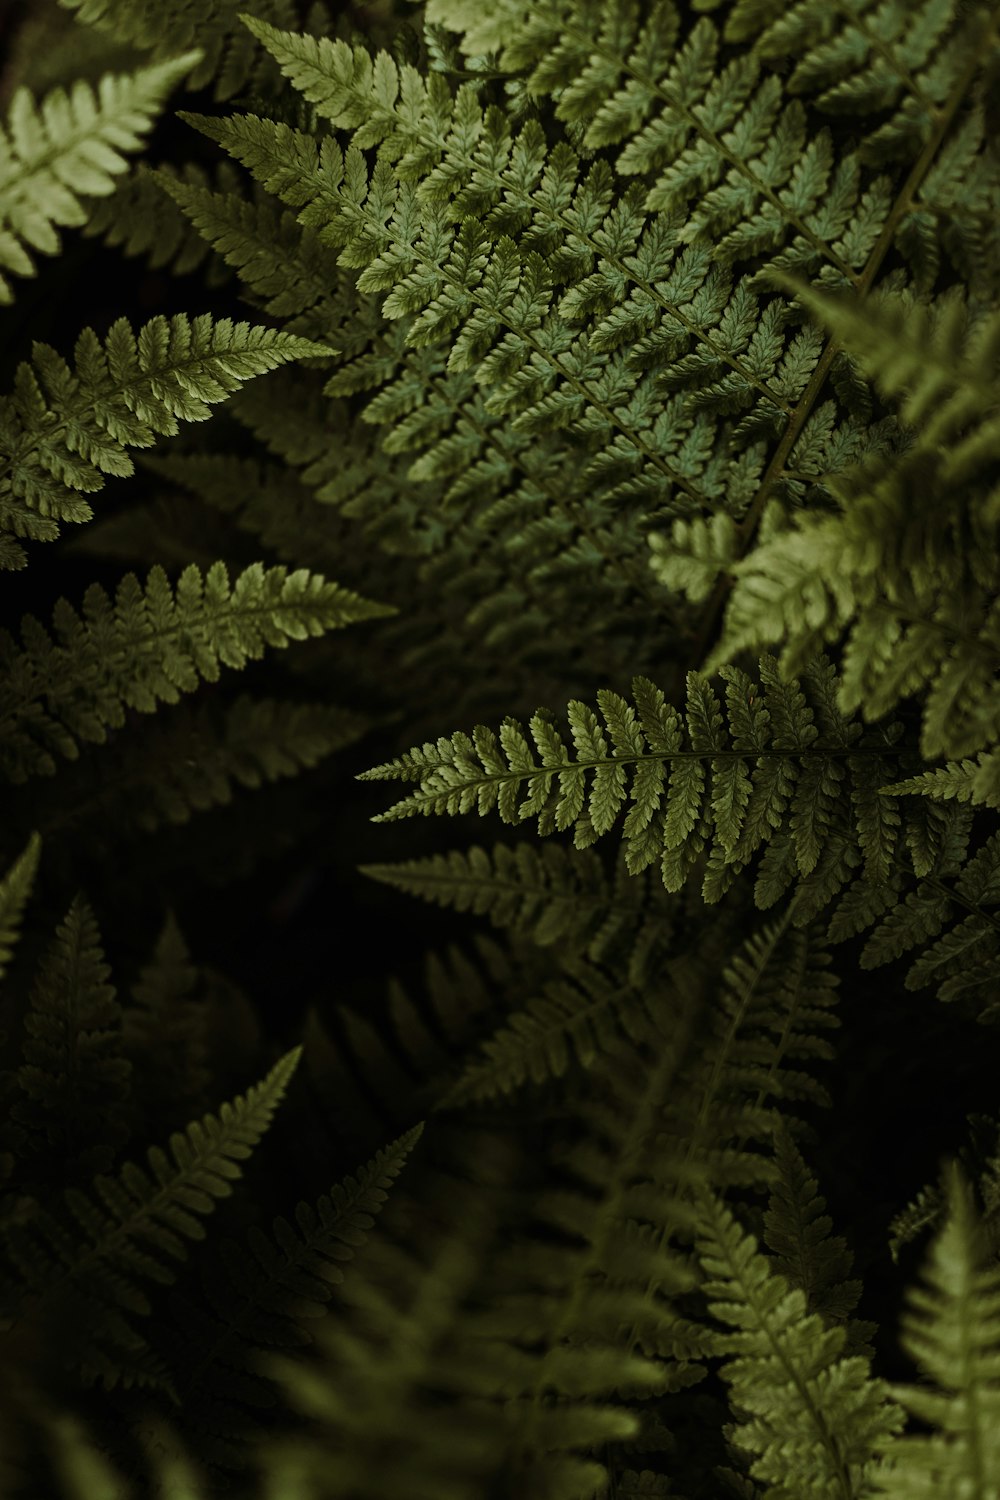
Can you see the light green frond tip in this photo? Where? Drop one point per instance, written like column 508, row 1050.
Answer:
column 150, row 644
column 976, row 781
column 694, row 555
column 63, row 429
column 814, row 1419
column 15, row 889
column 952, row 1331
column 71, row 146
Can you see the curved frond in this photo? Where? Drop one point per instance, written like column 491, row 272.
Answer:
column 148, row 646
column 708, row 783
column 55, row 154
column 813, row 1420
column 553, row 895
column 911, row 574
column 167, row 25
column 797, row 1233
column 64, row 429
column 267, row 1294
column 98, row 1250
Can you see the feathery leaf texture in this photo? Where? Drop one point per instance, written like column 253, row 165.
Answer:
column 142, row 219
column 99, row 1247
column 777, row 777
column 148, row 646
column 909, row 563
column 63, row 430
column 193, row 758
column 797, row 1233
column 68, row 148
column 954, row 927
column 952, row 1331
column 814, row 1420
column 774, row 1001
column 73, row 1082
column 15, row 890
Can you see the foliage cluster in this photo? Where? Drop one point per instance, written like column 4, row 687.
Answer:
column 586, row 415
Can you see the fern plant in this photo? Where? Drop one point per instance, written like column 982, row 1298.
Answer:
column 631, row 355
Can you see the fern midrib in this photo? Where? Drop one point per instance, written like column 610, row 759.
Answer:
column 555, row 768
column 775, row 469
column 51, row 684
column 841, row 1471
column 22, row 179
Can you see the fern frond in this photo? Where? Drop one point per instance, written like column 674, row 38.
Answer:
column 68, row 148
column 812, row 1420
column 875, row 57
column 797, row 785
column 97, row 1249
column 695, row 554
column 376, row 1076
column 62, row 430
column 956, row 930
column 285, row 266
column 15, row 889
column 265, row 1294
column 575, row 1021
column 553, row 895
column 73, row 1083
column 952, row 1331
column 147, row 646
column 894, row 561
column 773, row 1003
column 382, row 1404
column 210, row 25
column 922, row 1212
column 190, row 759
column 165, row 1025
column 976, row 781
column 797, row 1232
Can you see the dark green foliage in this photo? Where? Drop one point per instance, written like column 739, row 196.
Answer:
column 637, row 356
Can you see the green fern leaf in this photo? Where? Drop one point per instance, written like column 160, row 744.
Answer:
column 68, row 148
column 797, row 1232
column 149, row 646
column 193, row 758
column 99, row 1247
column 211, row 25
column 952, row 1331
column 554, row 895
column 62, row 431
column 15, row 889
column 263, row 1295
column 814, row 1419
column 586, row 789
